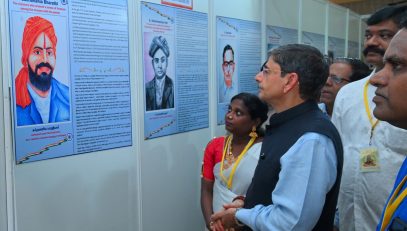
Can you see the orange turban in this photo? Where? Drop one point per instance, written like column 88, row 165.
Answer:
column 34, row 26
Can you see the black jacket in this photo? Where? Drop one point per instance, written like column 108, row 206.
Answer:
column 283, row 132
column 168, row 95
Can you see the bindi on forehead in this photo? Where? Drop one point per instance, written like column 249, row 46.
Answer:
column 45, row 44
column 43, row 41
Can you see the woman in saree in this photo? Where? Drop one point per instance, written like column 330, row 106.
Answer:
column 229, row 161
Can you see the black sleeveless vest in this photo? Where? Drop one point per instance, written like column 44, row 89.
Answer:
column 283, row 132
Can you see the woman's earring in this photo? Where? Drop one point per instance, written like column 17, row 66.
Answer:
column 253, row 134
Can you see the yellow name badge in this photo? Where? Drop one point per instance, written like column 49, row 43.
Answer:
column 369, row 160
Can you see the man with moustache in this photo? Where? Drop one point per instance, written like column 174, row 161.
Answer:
column 365, row 186
column 391, row 106
column 40, row 98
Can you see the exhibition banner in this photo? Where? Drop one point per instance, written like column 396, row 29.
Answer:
column 175, row 69
column 70, row 75
column 238, row 60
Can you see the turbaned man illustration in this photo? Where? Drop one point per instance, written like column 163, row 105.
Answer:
column 40, row 98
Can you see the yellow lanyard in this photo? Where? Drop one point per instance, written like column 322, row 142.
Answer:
column 369, row 115
column 393, row 203
column 232, row 174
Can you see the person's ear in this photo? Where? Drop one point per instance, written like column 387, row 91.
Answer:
column 258, row 122
column 291, row 82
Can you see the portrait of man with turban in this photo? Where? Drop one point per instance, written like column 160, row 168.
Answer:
column 40, row 98
column 159, row 90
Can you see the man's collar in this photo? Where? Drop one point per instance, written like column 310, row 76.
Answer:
column 289, row 114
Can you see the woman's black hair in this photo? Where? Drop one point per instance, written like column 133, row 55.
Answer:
column 256, row 107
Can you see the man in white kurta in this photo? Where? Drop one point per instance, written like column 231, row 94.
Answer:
column 364, row 191
column 373, row 150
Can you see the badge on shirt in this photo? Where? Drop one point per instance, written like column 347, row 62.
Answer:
column 369, row 160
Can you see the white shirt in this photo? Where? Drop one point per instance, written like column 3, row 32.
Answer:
column 363, row 195
column 159, row 90
column 322, row 106
column 226, row 93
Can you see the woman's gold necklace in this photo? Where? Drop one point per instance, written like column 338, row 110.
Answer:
column 227, row 151
column 230, row 158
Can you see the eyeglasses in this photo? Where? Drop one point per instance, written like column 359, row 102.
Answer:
column 226, row 64
column 265, row 70
column 337, row 79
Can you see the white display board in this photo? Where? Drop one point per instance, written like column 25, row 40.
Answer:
column 283, row 13
column 169, row 166
column 96, row 191
column 281, row 23
column 363, row 27
column 3, row 188
column 337, row 31
column 6, row 158
column 354, row 37
column 313, row 24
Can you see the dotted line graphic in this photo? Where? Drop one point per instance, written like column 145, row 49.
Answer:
column 44, row 149
column 159, row 129
column 158, row 12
